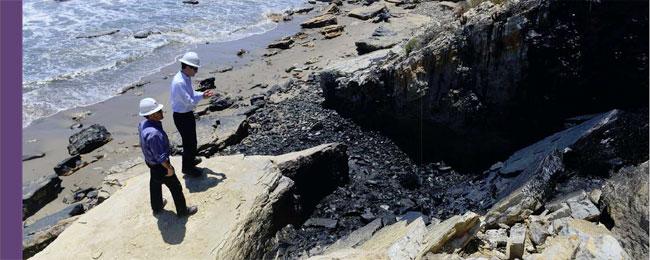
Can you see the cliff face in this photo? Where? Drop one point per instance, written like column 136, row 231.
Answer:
column 501, row 76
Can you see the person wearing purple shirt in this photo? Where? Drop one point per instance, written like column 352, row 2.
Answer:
column 155, row 148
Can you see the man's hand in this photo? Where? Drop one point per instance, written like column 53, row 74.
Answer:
column 169, row 167
column 170, row 172
column 207, row 94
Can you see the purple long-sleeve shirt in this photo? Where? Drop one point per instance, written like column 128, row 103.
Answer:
column 153, row 141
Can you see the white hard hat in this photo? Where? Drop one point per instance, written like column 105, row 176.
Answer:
column 192, row 59
column 149, row 106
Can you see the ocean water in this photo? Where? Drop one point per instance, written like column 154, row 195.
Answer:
column 62, row 71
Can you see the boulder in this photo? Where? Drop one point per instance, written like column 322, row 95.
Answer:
column 376, row 43
column 451, row 234
column 528, row 198
column 625, row 202
column 218, row 103
column 40, row 192
column 206, row 84
column 562, row 212
column 319, row 21
column 69, row 166
column 584, row 209
column 367, row 12
column 538, row 232
column 247, row 195
column 331, row 9
column 282, row 44
column 88, row 139
column 580, row 239
column 332, row 31
column 496, row 237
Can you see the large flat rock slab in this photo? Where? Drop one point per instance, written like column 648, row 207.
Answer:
column 242, row 200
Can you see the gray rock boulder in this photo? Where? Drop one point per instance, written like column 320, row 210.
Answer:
column 376, row 43
column 88, row 139
column 69, row 166
column 40, row 192
column 319, row 21
column 36, row 242
column 625, row 201
column 367, row 12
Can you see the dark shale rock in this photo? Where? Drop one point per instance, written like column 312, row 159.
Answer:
column 522, row 202
column 525, row 182
column 88, row 139
column 69, row 166
column 375, row 43
column 206, row 84
column 98, row 34
column 192, row 2
column 507, row 76
column 282, row 44
column 218, row 103
column 40, row 192
column 625, row 202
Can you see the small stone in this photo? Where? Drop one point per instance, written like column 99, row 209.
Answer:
column 594, row 196
column 584, row 209
column 537, row 232
column 562, row 212
column 321, row 222
column 516, row 241
column 496, row 237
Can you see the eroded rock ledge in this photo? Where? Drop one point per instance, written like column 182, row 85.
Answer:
column 243, row 201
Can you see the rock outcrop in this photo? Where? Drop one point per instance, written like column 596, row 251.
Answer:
column 319, row 21
column 40, row 192
column 243, row 201
column 625, row 199
column 501, row 76
column 88, row 139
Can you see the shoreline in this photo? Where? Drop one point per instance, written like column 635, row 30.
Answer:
column 49, row 135
column 310, row 52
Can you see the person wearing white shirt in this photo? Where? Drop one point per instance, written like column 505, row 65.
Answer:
column 183, row 101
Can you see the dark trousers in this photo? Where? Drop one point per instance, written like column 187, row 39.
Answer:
column 158, row 178
column 186, row 125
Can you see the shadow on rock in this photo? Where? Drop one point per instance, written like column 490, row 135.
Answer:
column 172, row 228
column 203, row 182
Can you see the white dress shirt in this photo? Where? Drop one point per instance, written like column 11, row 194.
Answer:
column 183, row 97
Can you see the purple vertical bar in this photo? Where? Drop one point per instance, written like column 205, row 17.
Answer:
column 11, row 129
